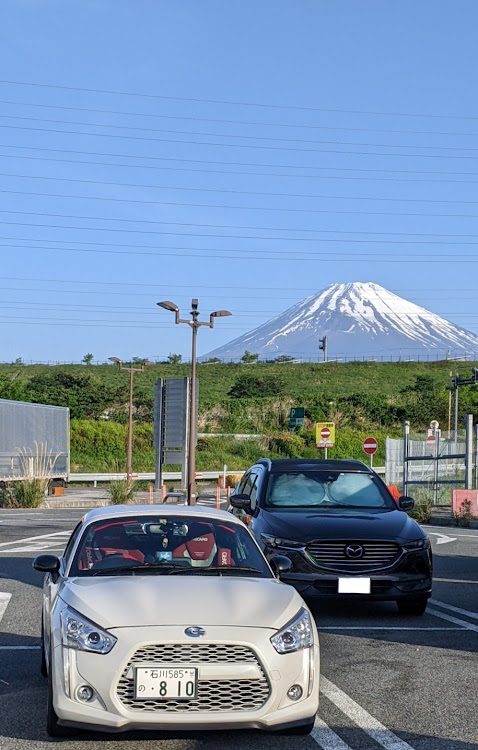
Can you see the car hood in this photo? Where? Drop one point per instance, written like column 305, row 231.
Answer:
column 126, row 601
column 394, row 525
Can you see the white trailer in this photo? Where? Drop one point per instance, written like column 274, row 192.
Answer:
column 34, row 440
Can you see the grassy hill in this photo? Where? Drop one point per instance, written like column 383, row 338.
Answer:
column 362, row 398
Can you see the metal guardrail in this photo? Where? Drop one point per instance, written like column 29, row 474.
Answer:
column 167, row 475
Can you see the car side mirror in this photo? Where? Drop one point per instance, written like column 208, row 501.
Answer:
column 47, row 564
column 241, row 502
column 280, row 564
column 406, row 503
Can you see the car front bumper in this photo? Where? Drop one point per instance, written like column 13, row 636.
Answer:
column 410, row 575
column 226, row 682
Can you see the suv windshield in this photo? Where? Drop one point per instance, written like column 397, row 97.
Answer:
column 326, row 489
column 165, row 544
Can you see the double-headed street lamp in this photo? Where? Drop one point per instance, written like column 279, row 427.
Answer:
column 194, row 325
column 131, row 370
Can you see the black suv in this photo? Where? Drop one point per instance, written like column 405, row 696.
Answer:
column 340, row 527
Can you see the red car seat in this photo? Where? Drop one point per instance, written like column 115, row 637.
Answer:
column 113, row 540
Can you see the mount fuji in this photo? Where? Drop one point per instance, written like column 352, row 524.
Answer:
column 360, row 320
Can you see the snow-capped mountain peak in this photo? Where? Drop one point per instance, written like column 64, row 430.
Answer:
column 360, row 320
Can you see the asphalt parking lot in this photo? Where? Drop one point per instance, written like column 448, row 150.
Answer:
column 388, row 681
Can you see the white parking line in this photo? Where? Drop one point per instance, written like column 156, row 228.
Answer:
column 326, row 738
column 35, row 538
column 365, row 721
column 458, row 610
column 4, row 599
column 456, row 620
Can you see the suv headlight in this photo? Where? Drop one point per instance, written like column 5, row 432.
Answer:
column 417, row 544
column 280, row 543
column 82, row 634
column 297, row 634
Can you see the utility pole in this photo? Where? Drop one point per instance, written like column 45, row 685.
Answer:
column 323, row 346
column 131, row 370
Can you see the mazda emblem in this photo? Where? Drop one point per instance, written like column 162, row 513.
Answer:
column 195, row 632
column 354, row 551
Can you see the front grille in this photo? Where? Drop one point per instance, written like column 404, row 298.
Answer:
column 332, row 555
column 213, row 695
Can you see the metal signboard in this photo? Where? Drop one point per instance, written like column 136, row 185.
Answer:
column 325, row 434
column 171, row 424
column 296, row 416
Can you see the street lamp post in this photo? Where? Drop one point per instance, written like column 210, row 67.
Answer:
column 131, row 370
column 194, row 324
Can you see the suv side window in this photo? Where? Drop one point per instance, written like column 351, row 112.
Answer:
column 248, row 482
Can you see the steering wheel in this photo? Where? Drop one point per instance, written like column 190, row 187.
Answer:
column 112, row 561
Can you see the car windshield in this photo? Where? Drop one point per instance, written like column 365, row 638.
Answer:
column 326, row 490
column 155, row 544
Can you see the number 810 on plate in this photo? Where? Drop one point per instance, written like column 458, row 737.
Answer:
column 166, row 682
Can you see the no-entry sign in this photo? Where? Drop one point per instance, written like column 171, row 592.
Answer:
column 370, row 446
column 431, row 442
column 325, row 434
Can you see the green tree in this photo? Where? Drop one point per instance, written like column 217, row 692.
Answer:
column 87, row 359
column 12, row 388
column 253, row 386
column 175, row 359
column 84, row 393
column 248, row 358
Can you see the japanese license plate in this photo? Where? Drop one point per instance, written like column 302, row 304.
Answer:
column 354, row 586
column 166, row 682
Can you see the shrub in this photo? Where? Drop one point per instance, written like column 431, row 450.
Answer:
column 122, row 491
column 422, row 510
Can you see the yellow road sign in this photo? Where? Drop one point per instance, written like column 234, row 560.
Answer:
column 325, row 434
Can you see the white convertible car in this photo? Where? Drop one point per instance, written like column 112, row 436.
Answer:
column 170, row 618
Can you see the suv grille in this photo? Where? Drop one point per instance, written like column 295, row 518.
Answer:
column 213, row 695
column 333, row 554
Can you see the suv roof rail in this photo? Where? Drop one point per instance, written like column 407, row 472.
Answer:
column 265, row 461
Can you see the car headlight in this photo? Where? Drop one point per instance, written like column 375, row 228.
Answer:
column 280, row 543
column 82, row 634
column 417, row 544
column 297, row 634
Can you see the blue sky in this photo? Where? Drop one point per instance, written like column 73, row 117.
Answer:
column 244, row 153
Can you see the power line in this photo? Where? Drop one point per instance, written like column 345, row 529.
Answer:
column 361, row 257
column 236, row 135
column 232, row 192
column 235, row 121
column 261, row 105
column 232, row 208
column 238, row 145
column 229, row 163
column 95, row 282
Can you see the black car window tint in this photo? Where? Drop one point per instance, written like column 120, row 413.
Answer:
column 242, row 484
column 356, row 490
column 295, row 489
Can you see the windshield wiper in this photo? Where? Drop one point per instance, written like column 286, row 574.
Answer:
column 167, row 567
column 217, row 569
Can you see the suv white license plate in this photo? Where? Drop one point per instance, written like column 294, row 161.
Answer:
column 166, row 682
column 354, row 586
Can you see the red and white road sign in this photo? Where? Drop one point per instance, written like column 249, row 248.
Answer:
column 369, row 445
column 325, row 433
column 431, row 442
